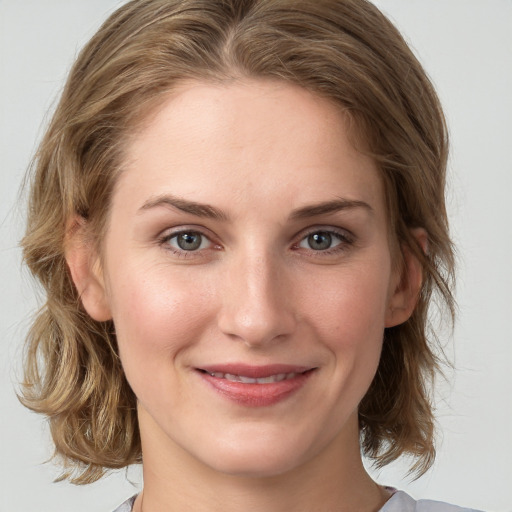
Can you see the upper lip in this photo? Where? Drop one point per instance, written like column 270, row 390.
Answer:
column 255, row 372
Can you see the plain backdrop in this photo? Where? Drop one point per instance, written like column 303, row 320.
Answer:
column 466, row 47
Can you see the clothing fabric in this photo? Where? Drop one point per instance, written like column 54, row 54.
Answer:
column 127, row 506
column 399, row 502
column 402, row 502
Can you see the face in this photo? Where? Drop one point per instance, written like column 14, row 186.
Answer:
column 248, row 271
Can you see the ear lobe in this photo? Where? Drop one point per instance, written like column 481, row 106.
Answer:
column 85, row 269
column 405, row 295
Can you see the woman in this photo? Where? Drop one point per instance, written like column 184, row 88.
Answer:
column 238, row 215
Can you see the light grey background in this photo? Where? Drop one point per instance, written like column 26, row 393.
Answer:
column 466, row 46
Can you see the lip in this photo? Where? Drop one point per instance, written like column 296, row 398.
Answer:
column 255, row 394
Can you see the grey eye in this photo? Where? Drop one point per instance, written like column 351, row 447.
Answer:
column 320, row 241
column 188, row 241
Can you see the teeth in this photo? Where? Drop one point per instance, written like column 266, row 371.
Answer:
column 241, row 378
column 250, row 380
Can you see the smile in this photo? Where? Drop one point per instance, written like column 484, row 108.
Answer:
column 255, row 386
column 251, row 380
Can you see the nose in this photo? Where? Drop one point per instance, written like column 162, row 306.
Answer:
column 257, row 303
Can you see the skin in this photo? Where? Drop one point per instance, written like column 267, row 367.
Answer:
column 254, row 292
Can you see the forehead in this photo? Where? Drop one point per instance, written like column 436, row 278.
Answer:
column 250, row 140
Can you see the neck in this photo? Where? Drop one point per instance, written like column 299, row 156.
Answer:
column 333, row 480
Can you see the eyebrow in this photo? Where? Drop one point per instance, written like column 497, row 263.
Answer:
column 198, row 209
column 327, row 207
column 211, row 212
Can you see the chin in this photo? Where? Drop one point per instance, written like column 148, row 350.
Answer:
column 249, row 466
column 260, row 456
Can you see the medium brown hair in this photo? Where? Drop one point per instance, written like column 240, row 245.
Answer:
column 344, row 50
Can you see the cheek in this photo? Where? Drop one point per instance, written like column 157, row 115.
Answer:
column 348, row 315
column 157, row 315
column 350, row 307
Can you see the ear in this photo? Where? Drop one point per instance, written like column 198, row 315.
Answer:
column 405, row 294
column 86, row 272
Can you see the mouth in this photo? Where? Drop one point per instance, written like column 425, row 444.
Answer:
column 252, row 380
column 256, row 386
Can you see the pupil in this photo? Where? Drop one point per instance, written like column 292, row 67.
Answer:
column 189, row 241
column 320, row 241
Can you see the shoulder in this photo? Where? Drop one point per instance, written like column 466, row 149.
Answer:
column 402, row 502
column 127, row 505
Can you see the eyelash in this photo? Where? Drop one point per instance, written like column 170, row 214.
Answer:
column 182, row 253
column 345, row 238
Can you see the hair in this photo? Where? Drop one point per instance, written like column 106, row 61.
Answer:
column 343, row 50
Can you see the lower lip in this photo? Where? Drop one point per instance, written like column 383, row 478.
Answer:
column 257, row 395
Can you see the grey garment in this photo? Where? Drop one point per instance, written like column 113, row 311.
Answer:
column 399, row 502
column 402, row 502
column 127, row 506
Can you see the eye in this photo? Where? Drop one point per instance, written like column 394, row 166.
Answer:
column 188, row 241
column 323, row 240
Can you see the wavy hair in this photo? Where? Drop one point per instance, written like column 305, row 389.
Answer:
column 344, row 50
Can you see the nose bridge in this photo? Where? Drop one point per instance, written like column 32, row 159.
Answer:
column 256, row 306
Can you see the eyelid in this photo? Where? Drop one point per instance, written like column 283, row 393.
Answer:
column 341, row 232
column 204, row 244
column 347, row 238
column 169, row 233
